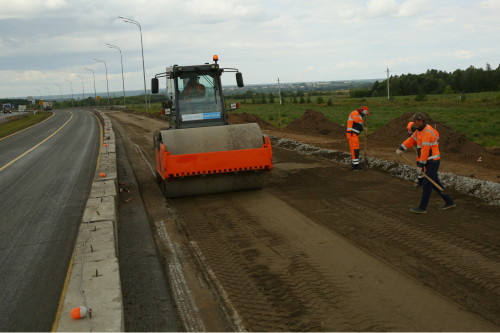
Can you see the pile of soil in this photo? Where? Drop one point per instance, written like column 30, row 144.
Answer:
column 395, row 133
column 314, row 122
column 245, row 118
column 494, row 151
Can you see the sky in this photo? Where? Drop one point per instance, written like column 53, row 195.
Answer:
column 48, row 42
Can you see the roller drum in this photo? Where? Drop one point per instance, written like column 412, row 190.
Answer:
column 212, row 139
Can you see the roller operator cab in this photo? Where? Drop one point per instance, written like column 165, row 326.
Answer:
column 200, row 152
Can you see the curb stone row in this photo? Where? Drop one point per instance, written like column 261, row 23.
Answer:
column 100, row 273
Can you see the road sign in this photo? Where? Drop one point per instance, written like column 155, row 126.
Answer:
column 30, row 98
column 98, row 97
column 40, row 102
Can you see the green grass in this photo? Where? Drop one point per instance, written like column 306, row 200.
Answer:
column 19, row 124
column 478, row 116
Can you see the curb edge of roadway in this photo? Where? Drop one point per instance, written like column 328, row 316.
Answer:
column 96, row 250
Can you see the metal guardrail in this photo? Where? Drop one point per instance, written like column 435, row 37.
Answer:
column 18, row 116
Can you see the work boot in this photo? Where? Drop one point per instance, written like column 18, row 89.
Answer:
column 357, row 168
column 420, row 183
column 418, row 210
column 447, row 206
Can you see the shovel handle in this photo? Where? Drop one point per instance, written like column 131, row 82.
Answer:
column 423, row 173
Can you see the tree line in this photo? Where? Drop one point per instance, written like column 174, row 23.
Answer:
column 433, row 82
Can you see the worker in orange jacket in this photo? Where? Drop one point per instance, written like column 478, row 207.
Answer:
column 429, row 158
column 411, row 128
column 354, row 127
column 193, row 89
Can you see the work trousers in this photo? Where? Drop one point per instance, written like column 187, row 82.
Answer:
column 354, row 145
column 431, row 170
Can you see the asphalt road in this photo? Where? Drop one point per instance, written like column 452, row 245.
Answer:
column 42, row 199
column 6, row 115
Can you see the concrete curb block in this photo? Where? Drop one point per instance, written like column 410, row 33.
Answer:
column 483, row 189
column 99, row 232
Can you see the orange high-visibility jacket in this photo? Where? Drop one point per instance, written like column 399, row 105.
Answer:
column 355, row 122
column 427, row 141
column 410, row 124
column 199, row 86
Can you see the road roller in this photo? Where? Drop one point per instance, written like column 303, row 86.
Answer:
column 200, row 152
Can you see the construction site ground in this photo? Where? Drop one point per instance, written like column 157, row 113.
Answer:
column 322, row 248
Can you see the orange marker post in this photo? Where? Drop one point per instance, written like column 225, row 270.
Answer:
column 79, row 312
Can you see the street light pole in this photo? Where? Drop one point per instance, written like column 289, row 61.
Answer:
column 123, row 80
column 107, row 84
column 40, row 94
column 50, row 97
column 83, row 89
column 60, row 92
column 71, row 91
column 95, row 93
column 127, row 20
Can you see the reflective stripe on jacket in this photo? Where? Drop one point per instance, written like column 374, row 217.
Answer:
column 427, row 141
column 355, row 122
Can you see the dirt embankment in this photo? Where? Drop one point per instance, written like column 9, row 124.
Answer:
column 460, row 154
column 245, row 118
column 314, row 122
column 155, row 115
column 450, row 141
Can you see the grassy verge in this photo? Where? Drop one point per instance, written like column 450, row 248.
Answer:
column 19, row 124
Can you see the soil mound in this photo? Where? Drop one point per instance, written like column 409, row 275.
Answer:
column 395, row 132
column 245, row 118
column 314, row 122
column 494, row 151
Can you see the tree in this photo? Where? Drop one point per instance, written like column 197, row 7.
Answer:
column 320, row 100
column 271, row 97
column 448, row 90
column 422, row 96
column 308, row 100
column 294, row 99
column 329, row 103
column 302, row 100
column 263, row 101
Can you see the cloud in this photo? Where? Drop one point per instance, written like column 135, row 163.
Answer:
column 380, row 8
column 44, row 42
column 377, row 8
column 463, row 54
column 490, row 4
column 413, row 7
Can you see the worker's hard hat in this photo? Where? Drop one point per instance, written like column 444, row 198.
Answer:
column 366, row 108
column 418, row 116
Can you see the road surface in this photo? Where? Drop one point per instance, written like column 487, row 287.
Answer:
column 45, row 177
column 321, row 248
